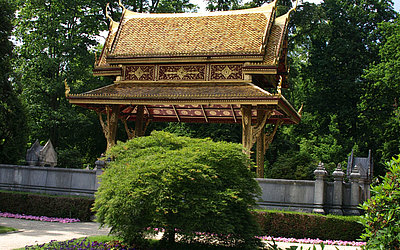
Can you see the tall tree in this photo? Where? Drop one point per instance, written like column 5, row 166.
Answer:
column 13, row 128
column 379, row 106
column 340, row 46
column 331, row 45
column 56, row 43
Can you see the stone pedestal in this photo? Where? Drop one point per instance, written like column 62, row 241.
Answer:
column 319, row 189
column 338, row 176
column 355, row 191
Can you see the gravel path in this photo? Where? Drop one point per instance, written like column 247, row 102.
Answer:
column 38, row 232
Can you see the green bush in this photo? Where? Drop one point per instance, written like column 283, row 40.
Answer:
column 382, row 211
column 314, row 226
column 46, row 205
column 182, row 185
column 292, row 165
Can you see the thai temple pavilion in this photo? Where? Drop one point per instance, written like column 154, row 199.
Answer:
column 216, row 67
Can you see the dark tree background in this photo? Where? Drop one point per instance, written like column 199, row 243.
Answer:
column 344, row 67
column 13, row 130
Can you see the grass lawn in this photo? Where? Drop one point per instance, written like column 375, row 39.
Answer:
column 6, row 229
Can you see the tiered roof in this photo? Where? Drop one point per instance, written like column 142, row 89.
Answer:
column 204, row 62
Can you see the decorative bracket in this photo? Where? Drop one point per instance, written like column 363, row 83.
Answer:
column 110, row 127
column 105, row 126
column 258, row 128
column 270, row 137
column 279, row 87
column 129, row 132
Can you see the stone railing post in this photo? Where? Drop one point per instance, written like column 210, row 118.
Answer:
column 100, row 165
column 338, row 176
column 355, row 191
column 319, row 189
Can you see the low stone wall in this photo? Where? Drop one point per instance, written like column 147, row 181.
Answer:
column 296, row 195
column 60, row 181
column 279, row 194
column 299, row 195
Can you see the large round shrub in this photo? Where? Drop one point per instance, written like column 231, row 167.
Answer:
column 200, row 189
column 382, row 211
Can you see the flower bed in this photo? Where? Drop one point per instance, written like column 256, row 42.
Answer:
column 313, row 241
column 38, row 218
column 96, row 243
column 288, row 240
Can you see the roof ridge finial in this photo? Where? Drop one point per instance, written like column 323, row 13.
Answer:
column 294, row 8
column 67, row 88
column 300, row 110
column 121, row 5
column 107, row 15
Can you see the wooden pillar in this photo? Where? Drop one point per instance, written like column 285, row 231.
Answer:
column 110, row 127
column 246, row 128
column 139, row 123
column 260, row 139
column 113, row 125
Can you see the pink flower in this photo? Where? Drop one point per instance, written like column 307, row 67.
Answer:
column 38, row 218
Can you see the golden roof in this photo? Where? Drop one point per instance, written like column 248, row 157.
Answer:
column 222, row 33
column 254, row 40
column 175, row 92
column 190, row 101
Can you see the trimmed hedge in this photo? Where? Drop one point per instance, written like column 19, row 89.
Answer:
column 272, row 223
column 302, row 225
column 46, row 205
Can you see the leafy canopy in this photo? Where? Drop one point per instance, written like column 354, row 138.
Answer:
column 180, row 184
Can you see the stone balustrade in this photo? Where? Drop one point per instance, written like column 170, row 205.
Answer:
column 319, row 196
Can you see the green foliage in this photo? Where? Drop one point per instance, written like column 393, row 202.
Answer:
column 56, row 42
column 216, row 131
column 303, row 225
column 331, row 45
column 12, row 114
column 46, row 205
column 220, row 5
column 379, row 105
column 175, row 6
column 382, row 211
column 181, row 184
column 294, row 166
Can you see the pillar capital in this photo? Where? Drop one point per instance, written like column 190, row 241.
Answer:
column 320, row 172
column 355, row 174
column 338, row 174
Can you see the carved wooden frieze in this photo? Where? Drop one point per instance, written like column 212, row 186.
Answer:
column 184, row 72
column 140, row 73
column 226, row 71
